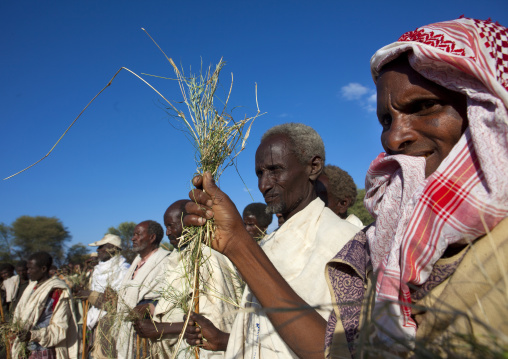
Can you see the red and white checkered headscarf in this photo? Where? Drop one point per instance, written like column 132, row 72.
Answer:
column 417, row 218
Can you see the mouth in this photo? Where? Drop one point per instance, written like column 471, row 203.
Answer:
column 270, row 197
column 423, row 154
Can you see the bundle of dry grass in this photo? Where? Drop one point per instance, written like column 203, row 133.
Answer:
column 217, row 139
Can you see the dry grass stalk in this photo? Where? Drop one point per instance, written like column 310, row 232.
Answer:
column 218, row 140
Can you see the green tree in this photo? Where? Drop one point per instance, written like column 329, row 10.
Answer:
column 40, row 233
column 77, row 254
column 359, row 210
column 125, row 231
column 6, row 254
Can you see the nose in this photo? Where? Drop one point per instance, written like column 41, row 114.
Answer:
column 399, row 136
column 265, row 182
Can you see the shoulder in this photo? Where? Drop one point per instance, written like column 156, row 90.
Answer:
column 331, row 225
column 355, row 220
column 160, row 255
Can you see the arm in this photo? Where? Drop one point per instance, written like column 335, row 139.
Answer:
column 97, row 299
column 303, row 330
column 146, row 328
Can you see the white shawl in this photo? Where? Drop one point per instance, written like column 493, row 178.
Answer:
column 106, row 274
column 11, row 286
column 146, row 285
column 299, row 250
column 218, row 295
column 62, row 332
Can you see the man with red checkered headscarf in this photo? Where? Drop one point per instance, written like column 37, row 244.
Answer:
column 436, row 191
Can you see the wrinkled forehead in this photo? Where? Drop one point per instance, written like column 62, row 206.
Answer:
column 173, row 216
column 274, row 149
column 143, row 226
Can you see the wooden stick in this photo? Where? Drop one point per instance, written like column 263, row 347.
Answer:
column 138, row 344
column 85, row 314
column 145, row 348
column 2, row 309
column 196, row 310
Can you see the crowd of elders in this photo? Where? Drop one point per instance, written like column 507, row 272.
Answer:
column 427, row 277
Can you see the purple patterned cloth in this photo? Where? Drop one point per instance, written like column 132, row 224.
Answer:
column 347, row 276
column 43, row 354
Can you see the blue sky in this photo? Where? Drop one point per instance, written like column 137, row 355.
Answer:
column 124, row 160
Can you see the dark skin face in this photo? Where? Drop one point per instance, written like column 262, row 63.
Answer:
column 285, row 183
column 252, row 226
column 37, row 273
column 142, row 242
column 106, row 251
column 173, row 222
column 22, row 272
column 6, row 274
column 339, row 207
column 419, row 117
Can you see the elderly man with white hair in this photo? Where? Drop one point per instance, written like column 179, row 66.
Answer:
column 286, row 291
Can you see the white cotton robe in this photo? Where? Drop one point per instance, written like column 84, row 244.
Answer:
column 219, row 286
column 62, row 332
column 299, row 250
column 106, row 274
column 146, row 285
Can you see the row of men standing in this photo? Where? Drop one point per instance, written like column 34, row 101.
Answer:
column 140, row 299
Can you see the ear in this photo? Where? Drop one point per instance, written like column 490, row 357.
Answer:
column 152, row 238
column 343, row 205
column 316, row 167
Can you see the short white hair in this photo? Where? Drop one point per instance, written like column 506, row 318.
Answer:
column 305, row 141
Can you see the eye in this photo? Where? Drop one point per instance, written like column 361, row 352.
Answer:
column 425, row 107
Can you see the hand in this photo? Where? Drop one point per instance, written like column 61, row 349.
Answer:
column 146, row 328
column 83, row 294
column 206, row 335
column 24, row 336
column 211, row 202
column 142, row 311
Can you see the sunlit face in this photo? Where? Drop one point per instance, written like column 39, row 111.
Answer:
column 282, row 179
column 252, row 226
column 173, row 224
column 141, row 240
column 419, row 117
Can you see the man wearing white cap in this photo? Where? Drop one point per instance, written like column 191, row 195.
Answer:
column 107, row 275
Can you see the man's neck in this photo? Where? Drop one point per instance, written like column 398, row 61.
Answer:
column 42, row 280
column 147, row 253
column 300, row 205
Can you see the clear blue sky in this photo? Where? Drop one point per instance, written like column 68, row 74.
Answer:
column 123, row 160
